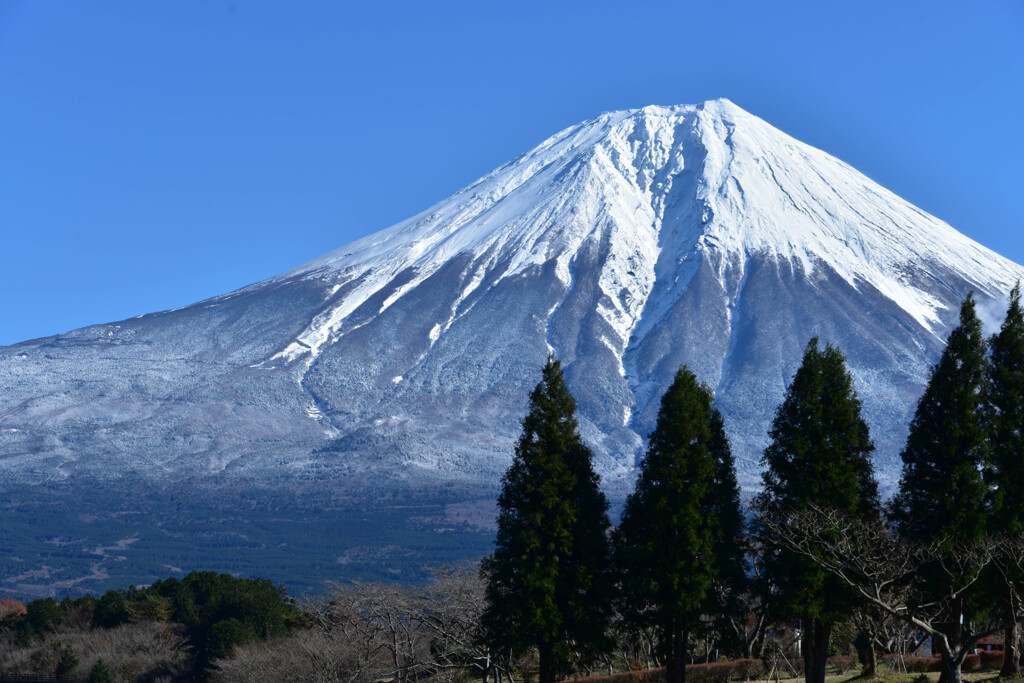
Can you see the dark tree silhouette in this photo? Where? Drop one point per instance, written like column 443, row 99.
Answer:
column 547, row 581
column 942, row 492
column 819, row 455
column 1004, row 417
column 681, row 527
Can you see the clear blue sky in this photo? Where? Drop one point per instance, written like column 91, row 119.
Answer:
column 156, row 153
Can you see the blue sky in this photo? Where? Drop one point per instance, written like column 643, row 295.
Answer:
column 157, row 153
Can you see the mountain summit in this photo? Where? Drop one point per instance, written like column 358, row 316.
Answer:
column 627, row 245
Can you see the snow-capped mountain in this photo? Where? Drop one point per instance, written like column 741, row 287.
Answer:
column 628, row 245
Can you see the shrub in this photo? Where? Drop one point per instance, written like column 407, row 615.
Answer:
column 917, row 664
column 841, row 663
column 10, row 608
column 224, row 636
column 990, row 659
column 67, row 661
column 841, row 642
column 100, row 673
column 639, row 676
column 749, row 669
column 713, row 672
column 791, row 666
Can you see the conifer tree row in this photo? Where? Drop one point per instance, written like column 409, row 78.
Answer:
column 678, row 549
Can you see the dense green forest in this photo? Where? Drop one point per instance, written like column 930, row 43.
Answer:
column 816, row 575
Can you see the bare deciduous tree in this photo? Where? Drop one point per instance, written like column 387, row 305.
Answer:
column 883, row 569
column 749, row 621
column 453, row 605
column 383, row 623
column 369, row 631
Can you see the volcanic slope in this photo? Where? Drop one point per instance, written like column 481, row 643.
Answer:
column 628, row 245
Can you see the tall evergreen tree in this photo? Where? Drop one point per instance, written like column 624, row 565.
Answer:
column 942, row 493
column 819, row 454
column 1004, row 417
column 731, row 543
column 681, row 526
column 547, row 581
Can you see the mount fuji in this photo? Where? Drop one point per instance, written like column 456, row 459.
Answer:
column 627, row 245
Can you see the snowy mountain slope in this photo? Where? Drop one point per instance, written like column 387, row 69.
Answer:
column 628, row 245
column 748, row 189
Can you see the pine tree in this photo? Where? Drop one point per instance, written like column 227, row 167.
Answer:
column 819, row 455
column 942, row 493
column 1004, row 417
column 681, row 525
column 548, row 584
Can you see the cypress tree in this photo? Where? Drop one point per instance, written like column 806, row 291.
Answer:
column 942, row 493
column 680, row 527
column 731, row 541
column 1004, row 413
column 1005, row 419
column 819, row 454
column 547, row 580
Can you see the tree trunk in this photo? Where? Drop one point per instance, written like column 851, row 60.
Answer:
column 866, row 652
column 675, row 666
column 952, row 669
column 952, row 656
column 815, row 650
column 946, row 659
column 1011, row 656
column 755, row 642
column 822, row 636
column 807, row 647
column 870, row 668
column 547, row 666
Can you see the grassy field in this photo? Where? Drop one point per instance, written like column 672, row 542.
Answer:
column 887, row 677
column 726, row 670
